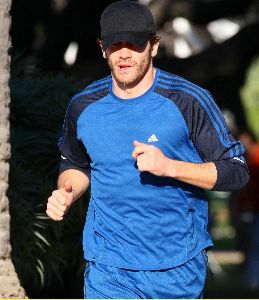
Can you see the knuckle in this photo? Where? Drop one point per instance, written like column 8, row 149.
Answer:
column 60, row 213
column 51, row 201
column 63, row 209
column 50, row 214
column 55, row 193
column 57, row 218
column 54, row 216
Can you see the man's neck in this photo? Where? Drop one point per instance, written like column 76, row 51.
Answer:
column 137, row 90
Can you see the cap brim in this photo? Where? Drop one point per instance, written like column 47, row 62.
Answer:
column 136, row 38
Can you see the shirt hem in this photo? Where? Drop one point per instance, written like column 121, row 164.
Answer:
column 162, row 266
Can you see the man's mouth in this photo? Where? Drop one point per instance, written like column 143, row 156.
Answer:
column 124, row 67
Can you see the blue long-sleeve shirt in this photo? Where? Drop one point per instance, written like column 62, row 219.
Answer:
column 139, row 220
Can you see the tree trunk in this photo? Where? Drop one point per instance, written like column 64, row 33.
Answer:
column 9, row 283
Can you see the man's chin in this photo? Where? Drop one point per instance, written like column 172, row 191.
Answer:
column 126, row 84
column 125, row 80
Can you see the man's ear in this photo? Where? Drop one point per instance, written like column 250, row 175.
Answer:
column 100, row 42
column 155, row 49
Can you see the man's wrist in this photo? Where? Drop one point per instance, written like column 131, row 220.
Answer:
column 170, row 168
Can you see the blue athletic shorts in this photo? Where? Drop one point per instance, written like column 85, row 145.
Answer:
column 185, row 281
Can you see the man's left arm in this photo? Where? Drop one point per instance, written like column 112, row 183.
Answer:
column 151, row 159
column 214, row 143
column 203, row 175
column 223, row 168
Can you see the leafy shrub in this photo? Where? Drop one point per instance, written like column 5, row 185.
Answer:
column 46, row 254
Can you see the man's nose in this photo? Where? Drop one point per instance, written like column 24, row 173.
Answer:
column 125, row 52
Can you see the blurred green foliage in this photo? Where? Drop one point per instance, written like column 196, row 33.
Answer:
column 47, row 255
column 250, row 96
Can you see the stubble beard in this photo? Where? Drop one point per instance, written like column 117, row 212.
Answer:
column 126, row 81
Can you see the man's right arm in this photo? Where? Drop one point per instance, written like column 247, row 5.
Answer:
column 74, row 166
column 71, row 185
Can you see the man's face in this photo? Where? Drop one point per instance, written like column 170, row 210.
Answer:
column 129, row 63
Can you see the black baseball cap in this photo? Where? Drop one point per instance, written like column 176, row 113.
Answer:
column 127, row 21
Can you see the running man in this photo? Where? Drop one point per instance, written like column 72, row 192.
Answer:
column 149, row 143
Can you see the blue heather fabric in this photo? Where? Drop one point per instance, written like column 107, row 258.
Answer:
column 135, row 220
column 182, row 282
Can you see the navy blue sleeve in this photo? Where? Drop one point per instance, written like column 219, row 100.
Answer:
column 212, row 139
column 73, row 153
column 208, row 131
column 215, row 143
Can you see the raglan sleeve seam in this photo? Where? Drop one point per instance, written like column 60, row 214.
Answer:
column 73, row 152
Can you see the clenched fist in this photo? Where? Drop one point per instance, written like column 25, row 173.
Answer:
column 151, row 159
column 60, row 201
